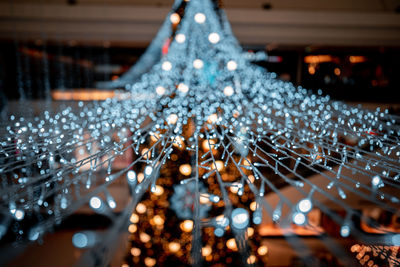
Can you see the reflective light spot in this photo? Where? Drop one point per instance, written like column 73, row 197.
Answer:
column 180, row 38
column 200, row 18
column 183, row 88
column 198, row 64
column 213, row 38
column 228, row 91
column 166, row 66
column 231, row 65
column 160, row 90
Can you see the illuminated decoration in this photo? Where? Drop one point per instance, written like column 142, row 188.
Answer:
column 249, row 142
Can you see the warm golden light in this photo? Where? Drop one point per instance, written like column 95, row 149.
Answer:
column 185, row 169
column 174, row 247
column 253, row 206
column 208, row 144
column 337, row 71
column 134, row 218
column 159, row 190
column 145, row 153
column 175, row 18
column 158, row 220
column 219, row 164
column 140, row 177
column 250, row 231
column 187, row 226
column 144, row 237
column 135, row 252
column 132, row 228
column 206, row 251
column 311, row 70
column 149, row 262
column 124, row 265
column 231, row 244
column 251, row 259
column 263, row 250
column 251, row 178
column 160, row 90
column 141, row 208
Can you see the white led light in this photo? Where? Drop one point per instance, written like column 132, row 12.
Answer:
column 345, row 231
column 376, row 181
column 148, row 170
column 200, row 18
column 304, row 205
column 180, row 38
column 231, row 65
column 213, row 38
column 19, row 214
column 183, row 88
column 228, row 91
column 240, row 218
column 131, row 175
column 299, row 218
column 95, row 203
column 166, row 66
column 198, row 63
column 160, row 90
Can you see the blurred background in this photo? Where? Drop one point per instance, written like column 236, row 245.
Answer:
column 59, row 49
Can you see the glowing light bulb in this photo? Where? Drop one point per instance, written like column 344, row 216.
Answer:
column 185, row 169
column 132, row 228
column 198, row 64
column 183, row 88
column 206, row 251
column 144, row 237
column 304, row 205
column 262, row 250
column 231, row 244
column 159, row 190
column 213, row 38
column 135, row 252
column 231, row 65
column 228, row 91
column 200, row 18
column 166, row 66
column 95, row 203
column 376, row 181
column 172, row 119
column 240, row 218
column 174, row 247
column 345, row 231
column 251, row 259
column 299, row 218
column 134, row 218
column 187, row 226
column 180, row 38
column 160, row 90
column 175, row 18
column 148, row 170
column 141, row 208
column 19, row 215
column 150, row 262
